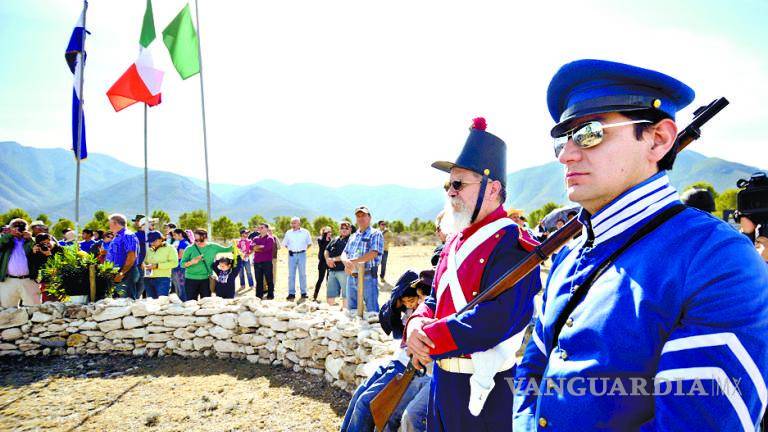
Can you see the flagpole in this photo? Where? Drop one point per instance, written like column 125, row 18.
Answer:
column 146, row 174
column 78, row 144
column 205, row 135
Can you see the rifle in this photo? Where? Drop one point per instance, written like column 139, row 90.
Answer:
column 389, row 397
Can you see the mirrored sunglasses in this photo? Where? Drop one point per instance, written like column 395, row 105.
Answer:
column 588, row 134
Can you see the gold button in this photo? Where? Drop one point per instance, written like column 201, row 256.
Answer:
column 482, row 260
column 497, row 236
column 542, row 422
column 474, row 293
column 563, row 355
column 569, row 323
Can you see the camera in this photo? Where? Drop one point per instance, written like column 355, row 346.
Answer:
column 752, row 199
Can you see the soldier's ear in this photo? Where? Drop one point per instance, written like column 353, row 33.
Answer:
column 663, row 135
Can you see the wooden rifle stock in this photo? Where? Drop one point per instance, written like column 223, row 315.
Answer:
column 389, row 397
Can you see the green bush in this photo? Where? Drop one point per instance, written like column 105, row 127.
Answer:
column 66, row 274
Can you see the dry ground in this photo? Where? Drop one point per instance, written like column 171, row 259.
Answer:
column 102, row 393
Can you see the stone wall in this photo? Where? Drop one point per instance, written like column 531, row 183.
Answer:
column 308, row 337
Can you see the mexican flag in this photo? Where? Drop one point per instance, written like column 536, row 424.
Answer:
column 141, row 82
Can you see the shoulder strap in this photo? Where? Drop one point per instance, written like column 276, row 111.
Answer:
column 203, row 260
column 581, row 292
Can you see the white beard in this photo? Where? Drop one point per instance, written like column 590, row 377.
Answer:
column 455, row 219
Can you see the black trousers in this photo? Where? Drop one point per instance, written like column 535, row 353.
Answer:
column 322, row 268
column 263, row 271
column 384, row 257
column 195, row 287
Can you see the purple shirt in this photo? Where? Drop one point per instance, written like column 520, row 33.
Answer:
column 17, row 262
column 266, row 253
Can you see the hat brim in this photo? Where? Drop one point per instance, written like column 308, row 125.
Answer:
column 443, row 165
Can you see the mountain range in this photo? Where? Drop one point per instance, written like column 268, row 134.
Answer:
column 41, row 180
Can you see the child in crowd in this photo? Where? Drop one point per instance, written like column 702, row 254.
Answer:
column 226, row 268
column 409, row 291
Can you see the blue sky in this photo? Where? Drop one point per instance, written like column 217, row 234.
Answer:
column 346, row 92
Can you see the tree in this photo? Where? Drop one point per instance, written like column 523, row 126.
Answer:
column 162, row 218
column 415, row 225
column 100, row 221
column 397, row 226
column 282, row 224
column 58, row 228
column 535, row 216
column 726, row 200
column 44, row 218
column 704, row 185
column 13, row 214
column 225, row 229
column 322, row 221
column 256, row 220
column 193, row 220
column 428, row 227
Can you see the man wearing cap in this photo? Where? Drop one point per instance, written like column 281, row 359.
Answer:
column 364, row 247
column 17, row 281
column 474, row 350
column 672, row 333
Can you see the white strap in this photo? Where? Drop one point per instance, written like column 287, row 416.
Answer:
column 450, row 278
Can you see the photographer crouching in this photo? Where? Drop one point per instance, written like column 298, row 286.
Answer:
column 16, row 283
column 42, row 251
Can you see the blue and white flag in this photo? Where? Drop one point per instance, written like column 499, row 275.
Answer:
column 74, row 55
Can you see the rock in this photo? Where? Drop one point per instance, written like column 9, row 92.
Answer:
column 220, row 332
column 89, row 325
column 11, row 334
column 159, row 329
column 157, row 337
column 13, row 317
column 117, row 301
column 111, row 313
column 247, row 319
column 226, row 320
column 56, row 342
column 183, row 334
column 178, row 321
column 225, row 346
column 136, row 333
column 201, row 332
column 40, row 317
column 274, row 324
column 76, row 339
column 200, row 343
column 333, row 366
column 110, row 325
column 7, row 347
column 174, row 298
column 139, row 352
column 258, row 340
column 144, row 308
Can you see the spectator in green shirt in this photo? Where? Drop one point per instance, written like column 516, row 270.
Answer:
column 160, row 259
column 197, row 261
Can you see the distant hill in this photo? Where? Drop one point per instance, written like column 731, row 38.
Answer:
column 43, row 181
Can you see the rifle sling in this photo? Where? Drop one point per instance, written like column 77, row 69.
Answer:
column 581, row 292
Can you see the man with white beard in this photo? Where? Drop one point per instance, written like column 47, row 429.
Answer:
column 474, row 350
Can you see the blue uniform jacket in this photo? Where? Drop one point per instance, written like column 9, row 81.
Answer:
column 688, row 303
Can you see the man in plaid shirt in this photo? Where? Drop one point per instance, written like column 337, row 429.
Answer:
column 364, row 246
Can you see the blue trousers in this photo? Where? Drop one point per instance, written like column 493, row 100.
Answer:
column 127, row 286
column 370, row 292
column 157, row 286
column 246, row 269
column 414, row 417
column 449, row 401
column 297, row 263
column 358, row 416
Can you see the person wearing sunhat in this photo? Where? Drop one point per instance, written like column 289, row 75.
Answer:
column 474, row 350
column 652, row 290
column 160, row 260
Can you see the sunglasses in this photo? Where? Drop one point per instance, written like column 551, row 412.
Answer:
column 457, row 185
column 588, row 135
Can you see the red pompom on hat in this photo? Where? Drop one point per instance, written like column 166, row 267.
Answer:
column 479, row 123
